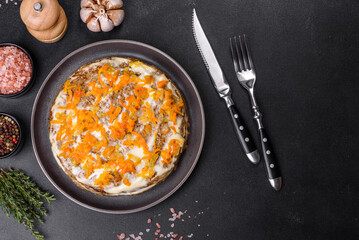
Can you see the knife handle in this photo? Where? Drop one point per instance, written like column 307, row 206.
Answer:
column 243, row 135
column 270, row 160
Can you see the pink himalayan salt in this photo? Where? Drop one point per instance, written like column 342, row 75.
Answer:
column 15, row 70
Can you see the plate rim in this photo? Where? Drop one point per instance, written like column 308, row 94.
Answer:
column 183, row 180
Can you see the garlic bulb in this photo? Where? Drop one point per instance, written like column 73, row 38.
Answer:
column 102, row 15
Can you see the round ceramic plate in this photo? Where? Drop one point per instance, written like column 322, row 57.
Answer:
column 40, row 123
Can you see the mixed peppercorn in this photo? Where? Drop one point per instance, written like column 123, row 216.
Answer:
column 9, row 135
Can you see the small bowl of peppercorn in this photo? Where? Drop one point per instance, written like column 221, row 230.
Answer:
column 10, row 135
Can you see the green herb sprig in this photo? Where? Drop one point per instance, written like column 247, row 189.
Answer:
column 22, row 198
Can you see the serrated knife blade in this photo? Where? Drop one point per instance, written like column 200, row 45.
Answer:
column 208, row 57
column 223, row 89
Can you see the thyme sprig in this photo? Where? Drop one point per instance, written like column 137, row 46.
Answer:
column 22, row 198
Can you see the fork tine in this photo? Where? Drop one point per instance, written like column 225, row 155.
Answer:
column 239, row 55
column 237, row 67
column 245, row 60
column 248, row 53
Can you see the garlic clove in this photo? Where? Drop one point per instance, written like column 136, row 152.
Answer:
column 87, row 3
column 116, row 16
column 113, row 4
column 86, row 14
column 94, row 25
column 106, row 23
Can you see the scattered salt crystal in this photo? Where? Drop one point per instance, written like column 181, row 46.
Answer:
column 164, row 235
column 15, row 2
column 121, row 236
column 196, row 201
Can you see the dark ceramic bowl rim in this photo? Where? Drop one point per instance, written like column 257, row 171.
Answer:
column 20, row 135
column 195, row 157
column 29, row 84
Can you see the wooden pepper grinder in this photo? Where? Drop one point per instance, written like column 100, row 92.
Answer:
column 44, row 19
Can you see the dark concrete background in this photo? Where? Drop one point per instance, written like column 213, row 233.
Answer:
column 306, row 55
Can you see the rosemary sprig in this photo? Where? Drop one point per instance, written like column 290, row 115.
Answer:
column 22, row 198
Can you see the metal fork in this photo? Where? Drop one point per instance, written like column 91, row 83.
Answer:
column 244, row 68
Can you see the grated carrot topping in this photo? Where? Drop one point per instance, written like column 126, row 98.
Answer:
column 167, row 131
column 134, row 158
column 126, row 182
column 174, row 129
column 67, row 86
column 141, row 92
column 162, row 83
column 103, row 179
column 140, row 141
column 113, row 112
column 148, row 79
column 174, row 147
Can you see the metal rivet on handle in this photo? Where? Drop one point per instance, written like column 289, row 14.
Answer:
column 241, row 128
column 271, row 166
column 235, row 115
column 264, row 139
column 267, row 152
column 246, row 139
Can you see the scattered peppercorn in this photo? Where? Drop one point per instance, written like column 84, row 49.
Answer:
column 9, row 135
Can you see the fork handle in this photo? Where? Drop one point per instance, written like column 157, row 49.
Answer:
column 271, row 164
column 243, row 135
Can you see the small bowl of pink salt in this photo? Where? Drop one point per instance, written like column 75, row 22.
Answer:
column 16, row 70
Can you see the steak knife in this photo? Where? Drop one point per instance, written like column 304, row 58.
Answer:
column 221, row 85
